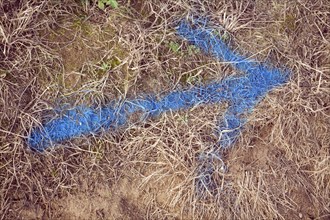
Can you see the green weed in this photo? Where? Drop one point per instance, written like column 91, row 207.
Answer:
column 175, row 47
column 103, row 3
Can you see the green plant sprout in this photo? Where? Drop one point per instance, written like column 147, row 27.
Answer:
column 175, row 47
column 105, row 66
column 103, row 3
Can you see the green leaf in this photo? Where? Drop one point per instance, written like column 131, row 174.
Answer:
column 105, row 66
column 174, row 46
column 100, row 4
column 113, row 3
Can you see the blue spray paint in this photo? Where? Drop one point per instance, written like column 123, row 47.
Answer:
column 242, row 93
column 85, row 120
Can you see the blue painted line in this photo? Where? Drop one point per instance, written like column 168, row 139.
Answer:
column 85, row 120
column 242, row 93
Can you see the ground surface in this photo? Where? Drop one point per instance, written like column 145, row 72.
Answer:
column 71, row 52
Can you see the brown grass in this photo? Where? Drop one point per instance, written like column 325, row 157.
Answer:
column 72, row 53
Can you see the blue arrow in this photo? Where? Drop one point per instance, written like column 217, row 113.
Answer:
column 242, row 93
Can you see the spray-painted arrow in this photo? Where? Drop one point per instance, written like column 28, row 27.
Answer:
column 242, row 93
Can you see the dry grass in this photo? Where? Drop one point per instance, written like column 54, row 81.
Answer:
column 70, row 53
